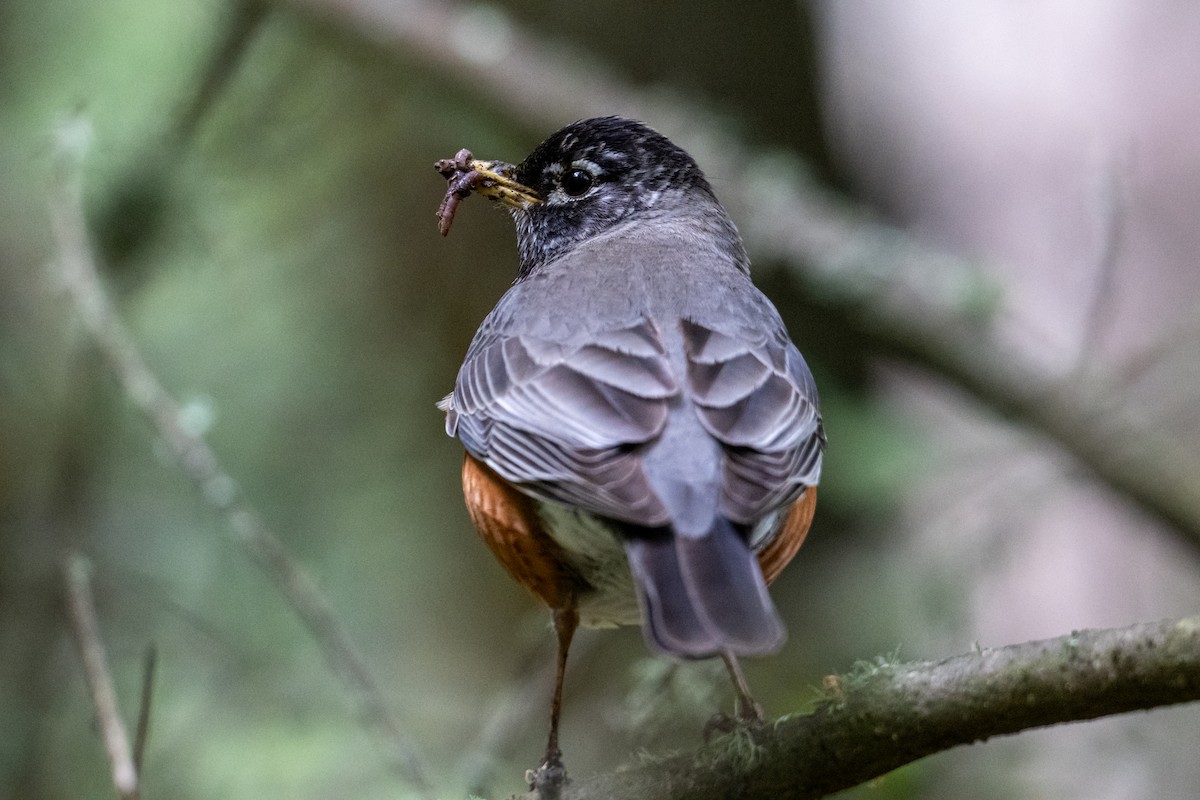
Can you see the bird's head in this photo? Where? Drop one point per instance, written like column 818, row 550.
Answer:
column 593, row 175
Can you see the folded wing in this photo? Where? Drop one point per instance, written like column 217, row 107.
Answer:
column 563, row 421
column 755, row 395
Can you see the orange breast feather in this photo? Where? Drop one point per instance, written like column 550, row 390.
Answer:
column 782, row 549
column 509, row 524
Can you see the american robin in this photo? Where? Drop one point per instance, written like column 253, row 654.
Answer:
column 642, row 438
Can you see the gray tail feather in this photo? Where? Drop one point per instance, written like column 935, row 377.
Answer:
column 704, row 595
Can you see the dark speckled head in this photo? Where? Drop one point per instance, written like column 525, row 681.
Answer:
column 599, row 172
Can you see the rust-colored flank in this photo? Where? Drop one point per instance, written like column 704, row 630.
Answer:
column 509, row 524
column 782, row 549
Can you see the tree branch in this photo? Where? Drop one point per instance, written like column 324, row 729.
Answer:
column 82, row 612
column 910, row 300
column 81, row 280
column 886, row 715
column 244, row 20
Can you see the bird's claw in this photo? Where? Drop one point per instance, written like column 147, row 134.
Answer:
column 547, row 781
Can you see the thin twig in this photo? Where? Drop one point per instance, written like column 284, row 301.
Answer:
column 1181, row 337
column 908, row 299
column 81, row 280
column 244, row 20
column 82, row 610
column 885, row 715
column 142, row 734
column 1110, row 213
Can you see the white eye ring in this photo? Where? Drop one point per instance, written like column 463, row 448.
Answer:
column 586, row 166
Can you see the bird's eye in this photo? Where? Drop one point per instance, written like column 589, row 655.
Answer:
column 576, row 182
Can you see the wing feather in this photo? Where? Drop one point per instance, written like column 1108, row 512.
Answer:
column 567, row 421
column 563, row 420
column 755, row 395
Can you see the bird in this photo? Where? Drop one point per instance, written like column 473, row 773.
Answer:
column 643, row 440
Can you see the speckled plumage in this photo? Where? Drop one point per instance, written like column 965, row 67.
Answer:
column 640, row 175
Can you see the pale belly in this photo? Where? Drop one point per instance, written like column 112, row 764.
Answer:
column 596, row 553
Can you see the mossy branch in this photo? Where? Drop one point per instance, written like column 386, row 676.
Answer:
column 885, row 715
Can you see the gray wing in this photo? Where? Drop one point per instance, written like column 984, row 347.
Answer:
column 563, row 420
column 566, row 420
column 757, row 397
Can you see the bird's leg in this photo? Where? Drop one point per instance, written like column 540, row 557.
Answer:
column 566, row 620
column 747, row 714
column 745, row 709
column 548, row 779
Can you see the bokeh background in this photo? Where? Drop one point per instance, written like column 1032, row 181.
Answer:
column 259, row 188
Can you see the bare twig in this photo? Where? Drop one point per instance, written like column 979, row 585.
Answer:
column 81, row 281
column 245, row 20
column 929, row 307
column 1110, row 213
column 885, row 715
column 1175, row 339
column 142, row 734
column 82, row 610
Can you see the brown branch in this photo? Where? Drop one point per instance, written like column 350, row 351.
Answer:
column 81, row 280
column 886, row 715
column 82, row 611
column 929, row 307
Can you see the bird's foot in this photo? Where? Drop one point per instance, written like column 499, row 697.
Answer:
column 745, row 718
column 547, row 781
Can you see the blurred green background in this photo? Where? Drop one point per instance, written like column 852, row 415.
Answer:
column 278, row 262
column 272, row 245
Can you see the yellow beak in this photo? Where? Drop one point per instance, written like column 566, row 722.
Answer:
column 493, row 179
column 495, row 182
